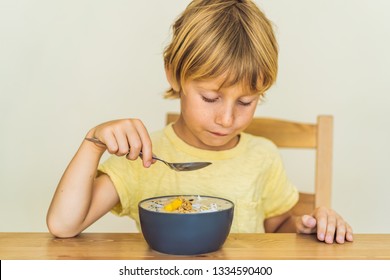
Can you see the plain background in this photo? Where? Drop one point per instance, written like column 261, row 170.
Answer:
column 66, row 66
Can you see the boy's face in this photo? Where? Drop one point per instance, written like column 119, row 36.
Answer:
column 213, row 117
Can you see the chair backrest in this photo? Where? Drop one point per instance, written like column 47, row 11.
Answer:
column 290, row 134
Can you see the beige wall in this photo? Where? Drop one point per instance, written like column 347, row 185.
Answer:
column 66, row 66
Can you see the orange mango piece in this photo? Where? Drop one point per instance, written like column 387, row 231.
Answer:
column 174, row 205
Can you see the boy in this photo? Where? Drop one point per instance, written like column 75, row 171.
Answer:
column 222, row 59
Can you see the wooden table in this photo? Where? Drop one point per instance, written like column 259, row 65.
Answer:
column 132, row 246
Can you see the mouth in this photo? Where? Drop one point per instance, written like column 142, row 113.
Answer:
column 219, row 134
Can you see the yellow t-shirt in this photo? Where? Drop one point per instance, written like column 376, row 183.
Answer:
column 251, row 175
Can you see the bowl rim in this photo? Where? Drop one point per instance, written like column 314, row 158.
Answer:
column 176, row 213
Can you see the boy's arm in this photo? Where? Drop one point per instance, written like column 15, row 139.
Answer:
column 281, row 223
column 80, row 198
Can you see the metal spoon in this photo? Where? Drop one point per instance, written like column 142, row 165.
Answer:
column 177, row 166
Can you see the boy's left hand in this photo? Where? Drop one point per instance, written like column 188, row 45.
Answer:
column 327, row 223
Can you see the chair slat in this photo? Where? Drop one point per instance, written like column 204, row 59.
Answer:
column 323, row 183
column 285, row 134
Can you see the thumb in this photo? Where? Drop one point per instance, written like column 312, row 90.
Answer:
column 309, row 221
column 306, row 224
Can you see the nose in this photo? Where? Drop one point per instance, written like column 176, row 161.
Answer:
column 225, row 116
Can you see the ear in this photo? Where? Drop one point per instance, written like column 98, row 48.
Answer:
column 170, row 79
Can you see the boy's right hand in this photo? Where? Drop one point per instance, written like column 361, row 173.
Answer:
column 125, row 137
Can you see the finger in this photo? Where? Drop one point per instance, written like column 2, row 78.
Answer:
column 344, row 232
column 122, row 142
column 146, row 143
column 330, row 227
column 309, row 221
column 321, row 215
column 129, row 138
column 111, row 143
column 306, row 224
column 349, row 234
column 341, row 231
column 135, row 146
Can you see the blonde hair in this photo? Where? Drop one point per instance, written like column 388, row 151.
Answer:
column 222, row 38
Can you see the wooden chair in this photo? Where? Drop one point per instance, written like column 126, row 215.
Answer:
column 289, row 134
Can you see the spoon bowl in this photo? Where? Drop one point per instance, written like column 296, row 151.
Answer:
column 184, row 166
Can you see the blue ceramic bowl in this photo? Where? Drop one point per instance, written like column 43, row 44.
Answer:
column 185, row 233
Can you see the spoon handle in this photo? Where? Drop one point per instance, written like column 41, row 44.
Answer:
column 94, row 140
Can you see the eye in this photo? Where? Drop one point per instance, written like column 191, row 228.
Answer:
column 209, row 100
column 245, row 103
column 248, row 101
